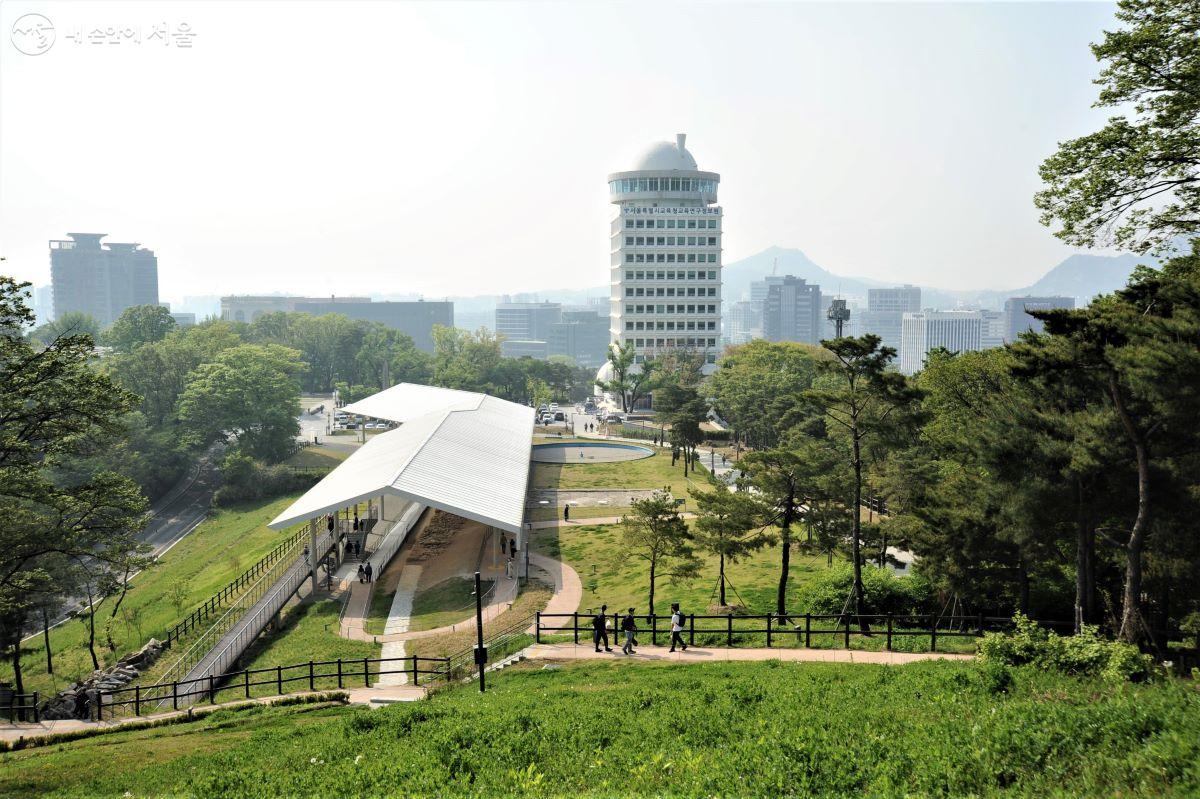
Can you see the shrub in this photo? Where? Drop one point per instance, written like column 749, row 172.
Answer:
column 246, row 479
column 1086, row 653
column 883, row 592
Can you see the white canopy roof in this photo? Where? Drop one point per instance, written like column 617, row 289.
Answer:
column 406, row 401
column 469, row 457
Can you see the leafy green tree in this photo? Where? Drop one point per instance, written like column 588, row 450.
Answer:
column 779, row 477
column 1135, row 183
column 760, row 388
column 729, row 526
column 72, row 323
column 631, row 381
column 138, row 325
column 249, row 392
column 868, row 403
column 654, row 532
column 465, row 360
column 55, row 408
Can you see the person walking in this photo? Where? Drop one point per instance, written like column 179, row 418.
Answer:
column 566, row 513
column 368, row 571
column 677, row 620
column 362, row 575
column 600, row 629
column 306, row 554
column 629, row 627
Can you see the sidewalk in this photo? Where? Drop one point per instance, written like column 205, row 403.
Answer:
column 585, row 651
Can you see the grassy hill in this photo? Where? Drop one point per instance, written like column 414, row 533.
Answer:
column 610, row 729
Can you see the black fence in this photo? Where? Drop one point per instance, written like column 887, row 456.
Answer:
column 138, row 699
column 499, row 645
column 229, row 592
column 798, row 629
column 20, row 707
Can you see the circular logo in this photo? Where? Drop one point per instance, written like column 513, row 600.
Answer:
column 33, row 34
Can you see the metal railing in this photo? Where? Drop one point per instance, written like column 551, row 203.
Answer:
column 511, row 639
column 391, row 542
column 227, row 637
column 137, row 699
column 22, row 707
column 797, row 629
column 219, row 599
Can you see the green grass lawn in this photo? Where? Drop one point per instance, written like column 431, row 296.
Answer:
column 309, row 632
column 448, row 602
column 316, row 458
column 655, row 471
column 720, row 729
column 216, row 553
column 620, row 580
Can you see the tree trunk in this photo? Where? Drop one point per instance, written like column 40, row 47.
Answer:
column 785, row 542
column 653, row 564
column 1131, row 609
column 92, row 636
column 722, row 567
column 857, row 528
column 18, row 679
column 46, row 641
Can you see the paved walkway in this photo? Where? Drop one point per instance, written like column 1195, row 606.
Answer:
column 568, row 588
column 545, row 525
column 374, row 696
column 718, row 655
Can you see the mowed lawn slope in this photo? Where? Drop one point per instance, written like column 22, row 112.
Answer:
column 736, row 729
column 216, row 553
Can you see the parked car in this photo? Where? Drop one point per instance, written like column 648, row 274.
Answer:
column 559, row 416
column 613, row 418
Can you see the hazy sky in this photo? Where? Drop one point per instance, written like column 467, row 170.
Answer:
column 443, row 148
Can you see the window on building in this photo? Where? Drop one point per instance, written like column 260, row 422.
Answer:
column 661, row 240
column 712, row 258
column 691, row 223
column 629, row 258
column 691, row 275
column 670, row 224
column 639, row 275
column 661, row 275
column 660, row 259
column 662, row 223
column 629, row 241
column 659, row 292
column 712, row 274
column 712, row 241
column 640, row 293
column 628, row 309
column 628, row 292
column 629, row 325
column 628, row 223
column 674, row 184
column 670, row 257
column 712, row 223
column 639, row 259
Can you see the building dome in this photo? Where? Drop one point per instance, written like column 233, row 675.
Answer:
column 664, row 156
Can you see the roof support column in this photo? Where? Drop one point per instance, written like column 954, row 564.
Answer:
column 312, row 552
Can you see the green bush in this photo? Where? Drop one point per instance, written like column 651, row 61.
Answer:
column 246, row 479
column 1086, row 653
column 883, row 592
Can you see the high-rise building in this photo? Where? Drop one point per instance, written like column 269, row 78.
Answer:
column 415, row 319
column 581, row 335
column 792, row 311
column 183, row 318
column 525, row 327
column 745, row 324
column 666, row 255
column 101, row 280
column 885, row 313
column 43, row 304
column 992, row 329
column 957, row 331
column 1018, row 320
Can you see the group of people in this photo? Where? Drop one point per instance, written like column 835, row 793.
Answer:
column 589, row 427
column 630, row 629
column 508, row 550
column 364, row 572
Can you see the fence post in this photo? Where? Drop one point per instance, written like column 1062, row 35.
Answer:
column 808, row 631
column 212, row 694
column 692, row 629
column 366, row 674
column 415, row 672
column 246, row 680
column 37, row 713
column 575, row 626
column 729, row 630
column 174, row 696
column 654, row 629
column 279, row 679
column 339, row 662
column 537, row 627
column 769, row 617
column 312, row 685
column 889, row 633
column 137, row 700
column 846, row 618
column 933, row 633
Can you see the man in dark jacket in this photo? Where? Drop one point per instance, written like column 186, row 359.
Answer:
column 629, row 627
column 600, row 629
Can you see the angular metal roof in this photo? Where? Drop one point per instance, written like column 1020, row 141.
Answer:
column 469, row 457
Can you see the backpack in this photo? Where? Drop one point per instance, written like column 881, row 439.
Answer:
column 682, row 618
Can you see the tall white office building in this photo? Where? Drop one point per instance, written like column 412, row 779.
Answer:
column 666, row 255
column 957, row 331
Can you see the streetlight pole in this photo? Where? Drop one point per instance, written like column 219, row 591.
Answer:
column 480, row 650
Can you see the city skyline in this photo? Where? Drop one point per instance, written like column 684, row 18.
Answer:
column 834, row 131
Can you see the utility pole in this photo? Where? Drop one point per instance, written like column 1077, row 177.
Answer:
column 480, row 649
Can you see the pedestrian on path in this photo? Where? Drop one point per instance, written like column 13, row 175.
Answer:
column 368, row 571
column 677, row 620
column 629, row 627
column 566, row 513
column 600, row 629
column 306, row 554
column 362, row 575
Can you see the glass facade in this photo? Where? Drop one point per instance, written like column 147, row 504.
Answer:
column 632, row 185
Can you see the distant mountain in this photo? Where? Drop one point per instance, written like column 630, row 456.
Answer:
column 737, row 276
column 1085, row 276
